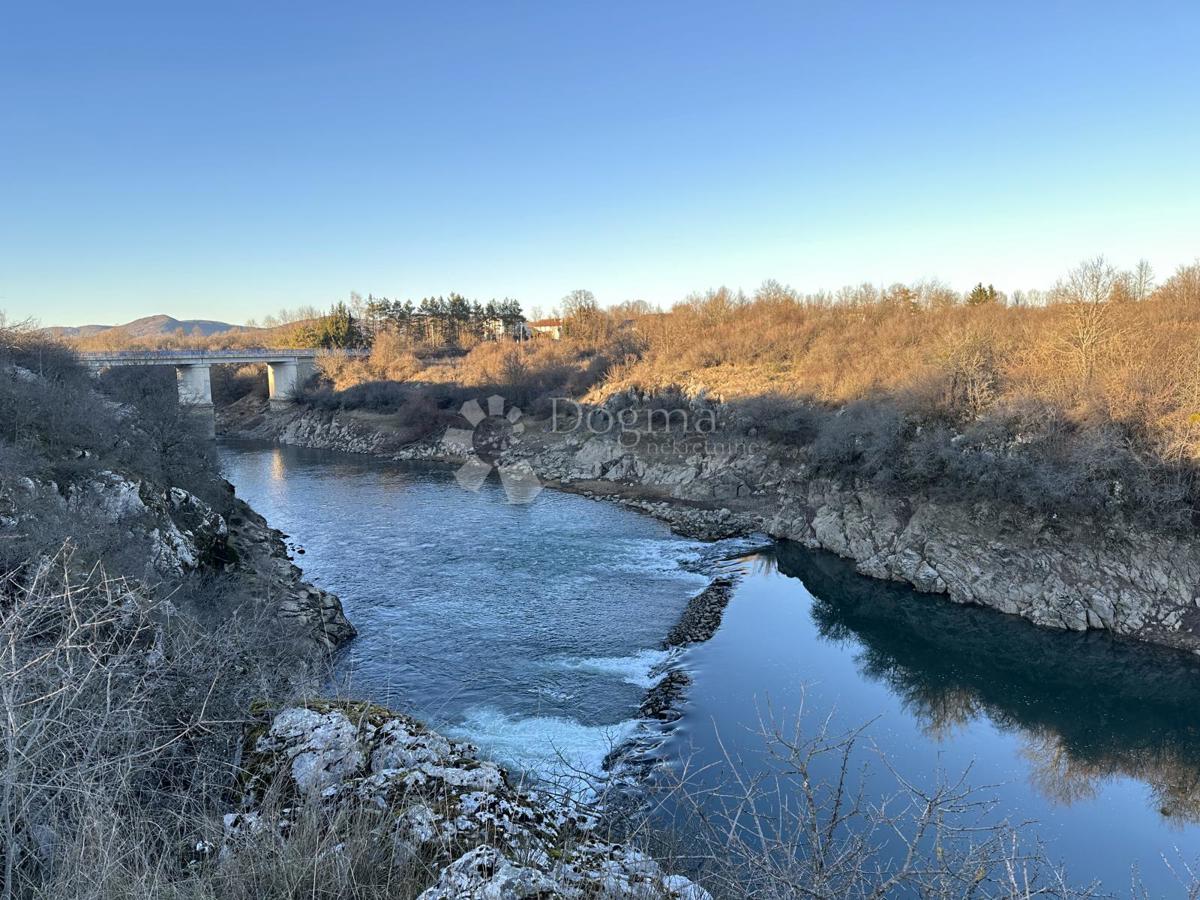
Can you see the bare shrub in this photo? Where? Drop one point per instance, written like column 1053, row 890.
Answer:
column 971, row 363
column 799, row 822
column 120, row 717
column 47, row 404
column 1183, row 286
column 392, row 358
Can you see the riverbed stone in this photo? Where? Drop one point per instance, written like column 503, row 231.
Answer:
column 702, row 616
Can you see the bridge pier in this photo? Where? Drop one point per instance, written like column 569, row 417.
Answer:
column 283, row 380
column 195, row 393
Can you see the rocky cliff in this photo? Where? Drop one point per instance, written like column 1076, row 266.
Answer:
column 175, row 533
column 1058, row 572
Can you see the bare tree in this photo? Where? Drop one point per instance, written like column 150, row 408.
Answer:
column 1184, row 285
column 1088, row 288
column 1091, row 282
column 579, row 302
column 1142, row 282
column 582, row 317
column 772, row 291
column 900, row 295
column 933, row 294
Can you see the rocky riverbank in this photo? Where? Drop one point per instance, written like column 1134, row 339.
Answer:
column 262, row 557
column 438, row 808
column 175, row 533
column 142, row 618
column 1058, row 572
column 434, row 805
column 454, row 820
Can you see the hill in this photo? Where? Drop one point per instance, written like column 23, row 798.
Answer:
column 76, row 331
column 148, row 326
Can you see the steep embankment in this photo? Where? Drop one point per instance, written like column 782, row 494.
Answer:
column 1058, row 572
column 177, row 534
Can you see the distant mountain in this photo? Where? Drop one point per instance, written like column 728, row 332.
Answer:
column 76, row 331
column 150, row 326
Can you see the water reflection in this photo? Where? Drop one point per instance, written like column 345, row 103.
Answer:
column 1087, row 707
column 278, row 471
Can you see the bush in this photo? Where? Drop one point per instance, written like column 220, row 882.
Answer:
column 121, row 717
column 808, row 829
column 393, row 359
column 170, row 446
column 48, row 406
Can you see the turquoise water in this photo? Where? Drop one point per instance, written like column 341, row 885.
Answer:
column 528, row 629
column 531, row 630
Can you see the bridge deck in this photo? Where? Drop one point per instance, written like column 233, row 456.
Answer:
column 207, row 357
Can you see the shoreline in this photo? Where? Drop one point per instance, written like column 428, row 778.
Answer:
column 628, row 767
column 698, row 621
column 1058, row 573
column 339, row 752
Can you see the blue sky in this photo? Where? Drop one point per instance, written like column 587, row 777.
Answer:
column 223, row 160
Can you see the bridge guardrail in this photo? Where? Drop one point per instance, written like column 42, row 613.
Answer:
column 257, row 353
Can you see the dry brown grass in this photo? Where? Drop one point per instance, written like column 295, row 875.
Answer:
column 1090, row 403
column 1126, row 362
column 1083, row 406
column 392, row 358
column 120, row 715
column 522, row 372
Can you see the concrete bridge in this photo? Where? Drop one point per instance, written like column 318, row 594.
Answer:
column 287, row 369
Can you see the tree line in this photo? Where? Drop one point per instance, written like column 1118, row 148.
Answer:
column 451, row 321
column 445, row 320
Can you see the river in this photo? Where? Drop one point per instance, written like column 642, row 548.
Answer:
column 531, row 630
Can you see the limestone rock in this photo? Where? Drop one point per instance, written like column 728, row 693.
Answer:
column 489, row 839
column 311, row 613
column 181, row 531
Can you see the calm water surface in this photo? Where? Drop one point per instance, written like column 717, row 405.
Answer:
column 531, row 631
